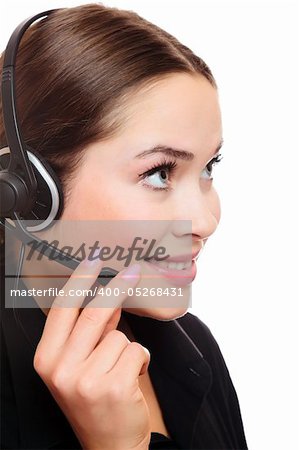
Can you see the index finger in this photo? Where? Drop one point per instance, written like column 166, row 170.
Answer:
column 93, row 319
column 62, row 322
column 65, row 309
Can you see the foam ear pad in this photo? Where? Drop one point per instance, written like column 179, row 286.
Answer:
column 49, row 201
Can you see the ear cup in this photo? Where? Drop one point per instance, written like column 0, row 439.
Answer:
column 49, row 201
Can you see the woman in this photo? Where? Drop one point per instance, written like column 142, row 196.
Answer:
column 111, row 101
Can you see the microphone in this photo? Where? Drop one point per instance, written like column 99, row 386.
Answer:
column 104, row 277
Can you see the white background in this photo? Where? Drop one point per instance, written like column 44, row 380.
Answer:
column 246, row 288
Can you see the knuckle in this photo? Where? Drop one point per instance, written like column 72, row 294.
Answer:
column 136, row 348
column 89, row 315
column 84, row 389
column 40, row 363
column 118, row 336
column 59, row 379
column 138, row 352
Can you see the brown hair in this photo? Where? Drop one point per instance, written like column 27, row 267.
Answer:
column 74, row 70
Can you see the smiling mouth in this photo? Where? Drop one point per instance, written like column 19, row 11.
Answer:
column 171, row 265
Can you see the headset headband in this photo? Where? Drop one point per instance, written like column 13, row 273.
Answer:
column 19, row 160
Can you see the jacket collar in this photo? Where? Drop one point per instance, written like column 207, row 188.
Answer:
column 172, row 351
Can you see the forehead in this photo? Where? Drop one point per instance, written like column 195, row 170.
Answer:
column 181, row 108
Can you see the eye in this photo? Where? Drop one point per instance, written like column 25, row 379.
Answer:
column 209, row 167
column 157, row 177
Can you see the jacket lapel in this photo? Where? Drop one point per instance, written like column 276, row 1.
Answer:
column 180, row 375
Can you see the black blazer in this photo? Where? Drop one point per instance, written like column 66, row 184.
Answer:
column 195, row 392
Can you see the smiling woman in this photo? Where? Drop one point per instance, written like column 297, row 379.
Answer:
column 128, row 119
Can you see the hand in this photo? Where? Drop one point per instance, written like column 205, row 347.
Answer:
column 92, row 369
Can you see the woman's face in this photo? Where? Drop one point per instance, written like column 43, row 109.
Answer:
column 180, row 112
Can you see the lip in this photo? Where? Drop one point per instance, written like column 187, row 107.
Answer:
column 178, row 277
column 180, row 258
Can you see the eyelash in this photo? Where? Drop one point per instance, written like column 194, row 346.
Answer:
column 170, row 167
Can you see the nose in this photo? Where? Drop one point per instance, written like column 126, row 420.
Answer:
column 198, row 214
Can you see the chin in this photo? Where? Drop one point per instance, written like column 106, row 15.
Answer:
column 163, row 314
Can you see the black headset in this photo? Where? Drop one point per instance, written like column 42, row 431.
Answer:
column 28, row 185
column 29, row 188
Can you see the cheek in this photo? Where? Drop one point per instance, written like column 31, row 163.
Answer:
column 96, row 199
column 107, row 198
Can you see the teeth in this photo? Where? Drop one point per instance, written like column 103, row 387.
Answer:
column 172, row 265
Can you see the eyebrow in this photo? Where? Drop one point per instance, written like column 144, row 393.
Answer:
column 175, row 152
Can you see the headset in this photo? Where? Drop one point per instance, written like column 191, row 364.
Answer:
column 29, row 188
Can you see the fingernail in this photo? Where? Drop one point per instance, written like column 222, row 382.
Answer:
column 132, row 272
column 93, row 259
